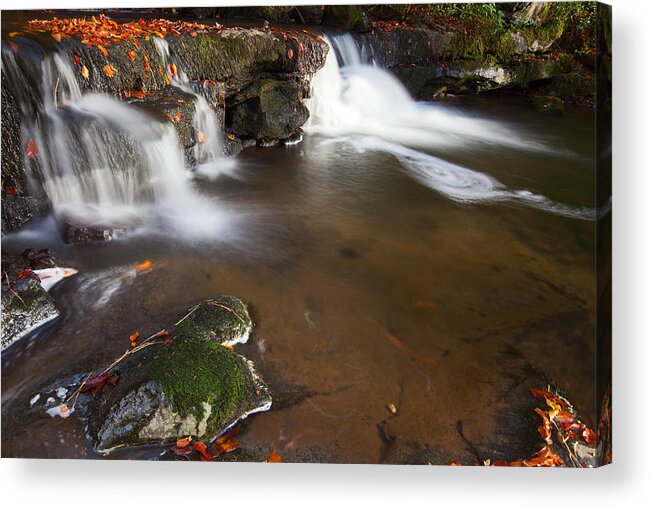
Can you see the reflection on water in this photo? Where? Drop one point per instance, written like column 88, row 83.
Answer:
column 366, row 286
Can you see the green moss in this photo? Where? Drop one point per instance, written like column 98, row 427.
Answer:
column 192, row 371
column 548, row 104
column 221, row 319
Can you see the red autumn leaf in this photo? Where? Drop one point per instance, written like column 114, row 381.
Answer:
column 202, row 449
column 76, row 59
column 32, row 149
column 183, row 451
column 96, row 382
column 132, row 55
column 290, row 53
column 10, row 190
column 194, row 34
column 274, row 458
column 23, row 273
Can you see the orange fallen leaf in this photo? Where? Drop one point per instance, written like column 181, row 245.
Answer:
column 274, row 458
column 421, row 303
column 231, row 137
column 102, row 49
column 290, row 53
column 201, row 137
column 178, row 116
column 132, row 55
column 183, row 442
column 230, row 445
column 13, row 34
column 84, row 72
column 170, row 117
column 109, row 70
column 56, row 36
column 202, row 449
column 167, row 79
column 171, row 68
column 32, row 149
column 134, row 338
column 144, row 266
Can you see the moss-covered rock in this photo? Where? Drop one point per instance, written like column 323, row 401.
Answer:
column 548, row 104
column 267, row 109
column 196, row 385
column 573, row 86
column 190, row 387
column 223, row 320
column 347, row 17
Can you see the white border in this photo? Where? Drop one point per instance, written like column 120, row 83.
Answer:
column 627, row 482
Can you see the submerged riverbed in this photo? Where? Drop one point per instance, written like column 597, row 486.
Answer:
column 367, row 287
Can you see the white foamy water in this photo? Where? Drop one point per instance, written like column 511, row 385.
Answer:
column 367, row 106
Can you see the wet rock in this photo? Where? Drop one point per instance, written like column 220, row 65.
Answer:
column 224, row 319
column 548, row 104
column 25, row 304
column 268, row 109
column 75, row 230
column 346, row 17
column 18, row 210
column 190, row 387
column 572, row 86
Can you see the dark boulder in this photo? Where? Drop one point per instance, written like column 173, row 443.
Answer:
column 346, row 17
column 268, row 109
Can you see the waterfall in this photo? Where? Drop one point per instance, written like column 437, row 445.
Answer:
column 208, row 148
column 102, row 161
column 360, row 103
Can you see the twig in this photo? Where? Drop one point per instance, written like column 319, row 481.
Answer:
column 13, row 291
column 144, row 344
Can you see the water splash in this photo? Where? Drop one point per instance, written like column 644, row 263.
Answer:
column 366, row 105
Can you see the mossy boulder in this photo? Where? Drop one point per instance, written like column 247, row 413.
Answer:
column 194, row 385
column 190, row 387
column 573, row 86
column 224, row 320
column 347, row 17
column 548, row 104
column 267, row 109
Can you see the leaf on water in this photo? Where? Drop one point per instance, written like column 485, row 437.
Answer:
column 102, row 49
column 32, row 149
column 132, row 55
column 274, row 457
column 109, row 70
column 428, row 305
column 84, row 72
column 147, row 264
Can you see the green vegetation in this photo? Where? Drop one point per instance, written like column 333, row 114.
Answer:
column 221, row 319
column 192, row 371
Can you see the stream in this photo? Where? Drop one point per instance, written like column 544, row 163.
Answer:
column 403, row 253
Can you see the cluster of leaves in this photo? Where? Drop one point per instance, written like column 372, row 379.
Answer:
column 559, row 425
column 102, row 31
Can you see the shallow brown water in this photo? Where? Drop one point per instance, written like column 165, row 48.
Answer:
column 366, row 287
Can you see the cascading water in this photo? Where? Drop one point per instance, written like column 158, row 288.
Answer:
column 363, row 104
column 105, row 162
